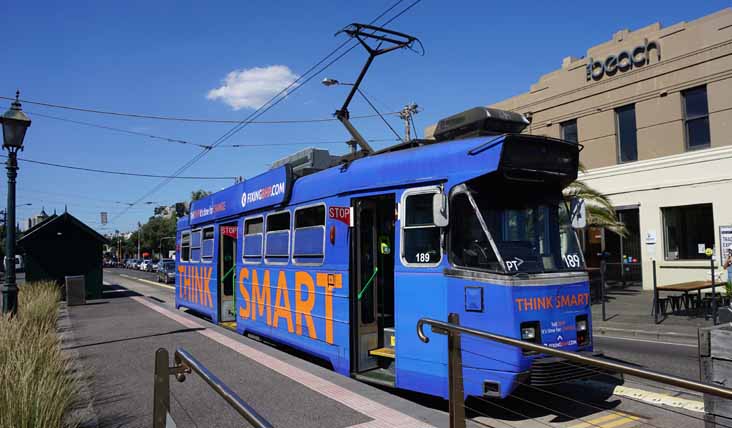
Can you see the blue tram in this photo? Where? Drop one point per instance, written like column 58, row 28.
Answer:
column 339, row 257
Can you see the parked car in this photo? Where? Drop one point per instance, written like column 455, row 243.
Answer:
column 166, row 271
column 131, row 264
column 154, row 266
column 144, row 264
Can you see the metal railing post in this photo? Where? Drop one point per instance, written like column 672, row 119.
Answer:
column 161, row 391
column 455, row 375
column 714, row 292
column 656, row 302
column 603, row 268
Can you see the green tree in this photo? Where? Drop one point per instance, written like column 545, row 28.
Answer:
column 600, row 211
column 199, row 194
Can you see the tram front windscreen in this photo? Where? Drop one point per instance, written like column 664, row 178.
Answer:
column 526, row 224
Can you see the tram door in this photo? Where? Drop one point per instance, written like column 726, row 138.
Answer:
column 227, row 272
column 372, row 260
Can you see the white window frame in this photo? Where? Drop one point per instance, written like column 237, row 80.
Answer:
column 182, row 238
column 266, row 235
column 208, row 259
column 403, row 220
column 294, row 235
column 200, row 243
column 243, row 240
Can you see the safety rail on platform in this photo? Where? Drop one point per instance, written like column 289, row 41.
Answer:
column 453, row 330
column 185, row 363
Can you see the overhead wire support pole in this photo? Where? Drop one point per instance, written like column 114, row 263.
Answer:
column 358, row 31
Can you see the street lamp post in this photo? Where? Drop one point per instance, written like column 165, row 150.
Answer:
column 15, row 124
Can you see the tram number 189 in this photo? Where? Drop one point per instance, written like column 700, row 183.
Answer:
column 571, row 260
column 423, row 257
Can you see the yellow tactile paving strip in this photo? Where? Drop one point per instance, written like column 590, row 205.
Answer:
column 611, row 420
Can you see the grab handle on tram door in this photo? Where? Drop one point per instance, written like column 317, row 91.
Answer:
column 368, row 283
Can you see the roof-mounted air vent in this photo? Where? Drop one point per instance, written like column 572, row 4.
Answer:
column 480, row 121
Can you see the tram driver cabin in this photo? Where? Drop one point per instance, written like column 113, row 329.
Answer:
column 340, row 256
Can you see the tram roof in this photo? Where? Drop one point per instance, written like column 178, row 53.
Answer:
column 453, row 161
column 438, row 162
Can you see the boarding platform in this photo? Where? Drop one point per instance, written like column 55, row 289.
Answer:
column 116, row 338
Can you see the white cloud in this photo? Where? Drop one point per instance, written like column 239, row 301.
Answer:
column 252, row 87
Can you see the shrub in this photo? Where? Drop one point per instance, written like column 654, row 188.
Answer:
column 37, row 383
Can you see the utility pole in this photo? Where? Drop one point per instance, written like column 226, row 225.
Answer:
column 406, row 115
column 139, row 232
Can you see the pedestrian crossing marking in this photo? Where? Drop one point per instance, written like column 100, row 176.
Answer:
column 612, row 420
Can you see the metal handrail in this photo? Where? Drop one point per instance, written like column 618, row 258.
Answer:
column 442, row 327
column 185, row 363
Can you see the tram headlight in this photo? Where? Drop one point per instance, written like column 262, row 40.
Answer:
column 528, row 333
column 583, row 330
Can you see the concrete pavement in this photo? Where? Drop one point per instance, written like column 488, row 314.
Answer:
column 628, row 314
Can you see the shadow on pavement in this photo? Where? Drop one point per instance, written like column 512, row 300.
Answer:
column 182, row 330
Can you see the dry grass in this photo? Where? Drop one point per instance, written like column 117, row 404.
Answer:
column 37, row 384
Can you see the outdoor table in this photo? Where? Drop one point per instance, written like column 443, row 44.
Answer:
column 686, row 288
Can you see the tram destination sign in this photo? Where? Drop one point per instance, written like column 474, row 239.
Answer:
column 269, row 189
column 623, row 61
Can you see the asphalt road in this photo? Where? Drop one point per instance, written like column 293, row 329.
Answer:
column 680, row 360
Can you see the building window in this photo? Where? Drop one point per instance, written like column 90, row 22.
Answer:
column 207, row 248
column 696, row 118
column 309, row 240
column 569, row 131
column 252, row 252
column 627, row 133
column 277, row 245
column 688, row 231
column 420, row 236
column 196, row 245
column 185, row 246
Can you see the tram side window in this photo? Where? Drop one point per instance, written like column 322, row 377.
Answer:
column 309, row 239
column 253, row 239
column 421, row 238
column 277, row 247
column 196, row 245
column 185, row 246
column 207, row 247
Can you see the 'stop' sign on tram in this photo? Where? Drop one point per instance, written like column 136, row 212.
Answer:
column 263, row 191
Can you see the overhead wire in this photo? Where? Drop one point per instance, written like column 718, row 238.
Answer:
column 380, row 115
column 273, row 101
column 186, row 119
column 125, row 173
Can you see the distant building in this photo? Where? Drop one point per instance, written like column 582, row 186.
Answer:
column 37, row 219
column 62, row 246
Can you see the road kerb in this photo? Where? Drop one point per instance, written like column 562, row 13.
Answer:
column 666, row 336
column 146, row 281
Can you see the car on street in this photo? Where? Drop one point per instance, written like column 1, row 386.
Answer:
column 166, row 271
column 143, row 266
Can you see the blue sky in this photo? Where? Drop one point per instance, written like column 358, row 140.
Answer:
column 165, row 57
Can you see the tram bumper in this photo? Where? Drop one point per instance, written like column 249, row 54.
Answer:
column 544, row 371
column 547, row 371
